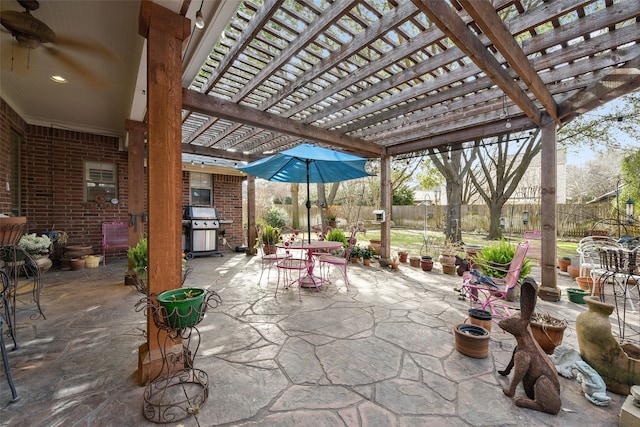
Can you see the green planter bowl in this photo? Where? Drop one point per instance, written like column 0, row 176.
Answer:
column 577, row 295
column 184, row 307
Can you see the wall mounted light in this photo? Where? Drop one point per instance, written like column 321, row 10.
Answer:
column 525, row 217
column 502, row 222
column 628, row 209
column 199, row 18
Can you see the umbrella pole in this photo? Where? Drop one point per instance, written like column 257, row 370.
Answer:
column 308, row 205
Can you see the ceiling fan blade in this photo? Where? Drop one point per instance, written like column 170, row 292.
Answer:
column 93, row 48
column 92, row 78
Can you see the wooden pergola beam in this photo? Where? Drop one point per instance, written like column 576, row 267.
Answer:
column 213, row 106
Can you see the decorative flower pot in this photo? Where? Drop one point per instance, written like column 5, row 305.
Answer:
column 480, row 318
column 355, row 259
column 449, row 268
column 366, row 261
column 618, row 365
column 183, row 307
column 548, row 335
column 394, row 265
column 414, row 261
column 402, row 256
column 472, row 340
column 332, row 223
column 426, row 263
column 44, row 262
column 577, row 295
column 564, row 263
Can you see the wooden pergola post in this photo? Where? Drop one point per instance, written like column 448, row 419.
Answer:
column 166, row 32
column 251, row 215
column 385, row 204
column 136, row 179
column 548, row 290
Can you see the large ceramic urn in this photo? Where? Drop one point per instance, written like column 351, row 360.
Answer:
column 619, row 366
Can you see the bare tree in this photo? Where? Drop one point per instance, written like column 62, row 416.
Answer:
column 449, row 161
column 503, row 162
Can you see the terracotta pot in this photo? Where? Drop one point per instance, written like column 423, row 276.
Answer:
column 402, row 256
column 394, row 265
column 563, row 264
column 584, row 283
column 449, row 268
column 573, row 271
column 619, row 366
column 548, row 336
column 366, row 261
column 481, row 318
column 472, row 340
column 375, row 245
column 355, row 260
column 426, row 263
column 447, row 259
column 77, row 263
column 414, row 261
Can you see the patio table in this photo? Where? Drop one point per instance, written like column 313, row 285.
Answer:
column 312, row 247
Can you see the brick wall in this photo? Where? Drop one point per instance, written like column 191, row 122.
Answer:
column 52, row 182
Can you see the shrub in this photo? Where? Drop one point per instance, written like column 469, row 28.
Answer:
column 276, row 217
column 336, row 235
column 501, row 253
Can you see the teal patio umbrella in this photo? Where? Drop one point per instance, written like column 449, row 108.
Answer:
column 308, row 163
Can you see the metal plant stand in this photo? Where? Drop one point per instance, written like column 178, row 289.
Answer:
column 180, row 389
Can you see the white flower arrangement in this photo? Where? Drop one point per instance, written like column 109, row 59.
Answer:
column 35, row 245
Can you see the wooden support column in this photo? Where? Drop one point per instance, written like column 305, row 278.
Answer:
column 251, row 215
column 548, row 290
column 136, row 179
column 385, row 204
column 166, row 32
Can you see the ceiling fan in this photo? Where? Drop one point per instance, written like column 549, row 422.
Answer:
column 30, row 32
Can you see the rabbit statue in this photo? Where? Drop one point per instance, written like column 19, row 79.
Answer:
column 529, row 362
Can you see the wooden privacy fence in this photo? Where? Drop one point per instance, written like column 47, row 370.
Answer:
column 574, row 221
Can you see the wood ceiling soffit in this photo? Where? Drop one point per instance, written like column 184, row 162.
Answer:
column 490, row 23
column 619, row 81
column 214, row 106
column 254, row 27
column 455, row 28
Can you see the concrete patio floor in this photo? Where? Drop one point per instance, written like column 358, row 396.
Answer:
column 380, row 354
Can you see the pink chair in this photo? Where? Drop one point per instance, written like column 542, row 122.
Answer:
column 487, row 293
column 293, row 269
column 267, row 259
column 326, row 261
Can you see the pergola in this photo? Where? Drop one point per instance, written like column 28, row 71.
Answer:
column 378, row 78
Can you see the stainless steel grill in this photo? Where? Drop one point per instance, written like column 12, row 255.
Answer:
column 200, row 227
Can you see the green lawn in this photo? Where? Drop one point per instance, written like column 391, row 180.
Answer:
column 413, row 241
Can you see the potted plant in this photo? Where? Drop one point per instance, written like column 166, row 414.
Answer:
column 448, row 252
column 37, row 247
column 138, row 257
column 331, row 213
column 355, row 254
column 270, row 237
column 394, row 263
column 367, row 254
column 547, row 331
column 182, row 307
column 502, row 253
column 564, row 262
column 426, row 263
column 403, row 255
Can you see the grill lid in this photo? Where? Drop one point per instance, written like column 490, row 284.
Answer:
column 198, row 212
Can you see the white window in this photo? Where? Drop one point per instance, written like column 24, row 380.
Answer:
column 201, row 189
column 101, row 181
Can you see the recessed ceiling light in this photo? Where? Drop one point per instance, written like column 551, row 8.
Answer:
column 58, row 79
